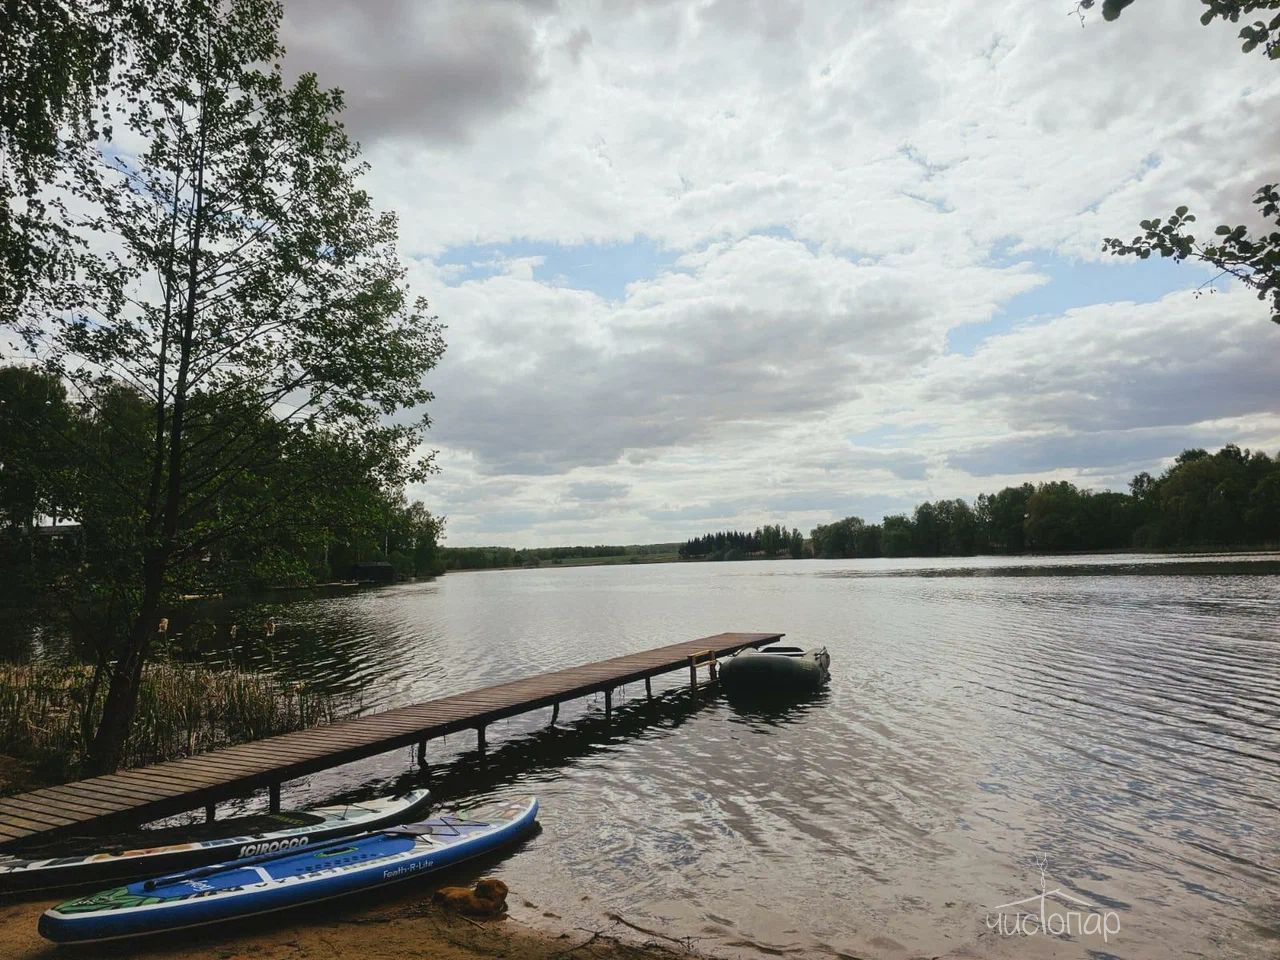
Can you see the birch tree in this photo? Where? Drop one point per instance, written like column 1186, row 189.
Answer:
column 227, row 268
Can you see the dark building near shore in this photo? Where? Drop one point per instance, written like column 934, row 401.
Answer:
column 373, row 571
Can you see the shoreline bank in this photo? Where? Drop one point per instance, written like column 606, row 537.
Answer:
column 1196, row 551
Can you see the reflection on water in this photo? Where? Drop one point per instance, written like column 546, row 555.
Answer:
column 1119, row 716
column 772, row 708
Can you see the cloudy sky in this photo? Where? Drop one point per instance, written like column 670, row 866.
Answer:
column 719, row 263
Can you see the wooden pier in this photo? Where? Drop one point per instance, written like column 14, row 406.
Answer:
column 133, row 797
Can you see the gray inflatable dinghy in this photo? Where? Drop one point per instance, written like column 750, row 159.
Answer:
column 775, row 669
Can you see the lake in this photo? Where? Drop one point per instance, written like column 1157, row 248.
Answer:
column 1104, row 727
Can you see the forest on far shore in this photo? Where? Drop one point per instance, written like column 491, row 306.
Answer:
column 1226, row 499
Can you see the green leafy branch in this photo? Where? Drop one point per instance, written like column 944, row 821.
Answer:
column 1253, row 259
column 1260, row 33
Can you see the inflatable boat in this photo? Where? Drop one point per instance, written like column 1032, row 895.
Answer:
column 775, row 670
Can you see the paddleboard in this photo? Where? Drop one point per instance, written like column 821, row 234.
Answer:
column 256, row 885
column 151, row 852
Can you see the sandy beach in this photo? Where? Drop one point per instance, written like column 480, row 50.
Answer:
column 406, row 927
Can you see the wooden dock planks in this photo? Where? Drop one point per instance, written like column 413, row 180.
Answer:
column 132, row 797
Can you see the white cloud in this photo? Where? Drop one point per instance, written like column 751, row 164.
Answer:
column 1175, row 362
column 761, row 331
column 429, row 72
column 907, row 147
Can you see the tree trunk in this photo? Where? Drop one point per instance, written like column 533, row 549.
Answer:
column 121, row 704
column 107, row 750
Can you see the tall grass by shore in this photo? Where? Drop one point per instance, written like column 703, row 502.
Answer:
column 48, row 713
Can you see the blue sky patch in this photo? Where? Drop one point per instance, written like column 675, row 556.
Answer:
column 782, row 232
column 604, row 269
column 1079, row 283
column 889, row 436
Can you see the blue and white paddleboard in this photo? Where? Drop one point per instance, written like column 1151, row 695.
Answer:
column 254, row 885
column 146, row 853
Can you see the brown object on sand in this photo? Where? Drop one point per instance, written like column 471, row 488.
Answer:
column 488, row 899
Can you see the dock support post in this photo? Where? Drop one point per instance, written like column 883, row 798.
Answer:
column 210, row 812
column 608, row 703
column 555, row 712
column 273, row 794
column 693, row 673
column 422, row 752
column 648, row 688
column 711, row 667
column 480, row 741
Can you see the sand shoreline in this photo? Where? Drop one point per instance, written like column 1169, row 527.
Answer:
column 358, row 929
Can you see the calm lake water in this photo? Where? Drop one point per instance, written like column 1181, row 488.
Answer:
column 1111, row 721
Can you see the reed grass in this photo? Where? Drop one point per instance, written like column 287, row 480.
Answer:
column 183, row 709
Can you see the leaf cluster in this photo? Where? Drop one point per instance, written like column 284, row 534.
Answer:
column 1252, row 258
column 60, row 64
column 1260, row 33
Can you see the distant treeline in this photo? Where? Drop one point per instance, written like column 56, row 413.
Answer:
column 488, row 558
column 1230, row 498
column 766, row 541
